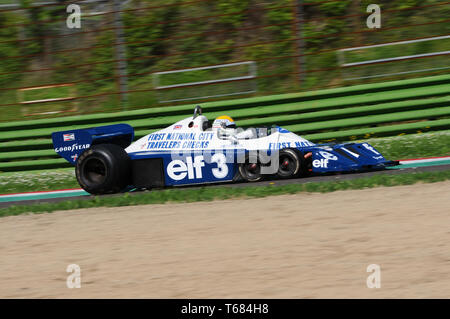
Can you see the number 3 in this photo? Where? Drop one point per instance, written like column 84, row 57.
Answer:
column 222, row 169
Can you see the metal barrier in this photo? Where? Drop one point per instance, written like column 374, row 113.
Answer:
column 71, row 98
column 252, row 74
column 343, row 64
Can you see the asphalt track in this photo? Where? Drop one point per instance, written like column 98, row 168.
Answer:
column 407, row 166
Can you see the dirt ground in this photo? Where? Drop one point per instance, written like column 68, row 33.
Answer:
column 291, row 246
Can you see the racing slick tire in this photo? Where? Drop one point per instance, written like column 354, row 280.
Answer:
column 250, row 172
column 103, row 169
column 291, row 163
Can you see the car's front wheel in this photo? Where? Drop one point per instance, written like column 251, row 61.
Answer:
column 103, row 169
column 291, row 163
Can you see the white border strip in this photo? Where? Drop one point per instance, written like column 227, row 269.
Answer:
column 248, row 77
column 42, row 193
column 209, row 96
column 395, row 43
column 405, row 57
column 425, row 160
column 206, row 67
column 398, row 73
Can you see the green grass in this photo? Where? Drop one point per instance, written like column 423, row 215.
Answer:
column 18, row 182
column 219, row 193
column 394, row 148
column 413, row 145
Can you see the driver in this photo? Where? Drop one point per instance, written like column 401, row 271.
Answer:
column 225, row 125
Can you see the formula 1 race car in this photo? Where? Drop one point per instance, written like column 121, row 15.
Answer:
column 192, row 151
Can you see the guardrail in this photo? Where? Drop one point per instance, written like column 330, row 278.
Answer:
column 251, row 76
column 360, row 111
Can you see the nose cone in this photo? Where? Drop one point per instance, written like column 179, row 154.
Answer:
column 347, row 157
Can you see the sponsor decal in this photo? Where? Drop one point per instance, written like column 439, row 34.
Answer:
column 72, row 148
column 277, row 146
column 74, row 157
column 283, row 130
column 328, row 156
column 323, row 163
column 163, row 145
column 178, row 170
column 350, row 152
column 370, row 148
column 179, row 140
column 69, row 137
column 192, row 168
column 281, row 145
column 177, row 127
column 303, row 144
column 221, row 171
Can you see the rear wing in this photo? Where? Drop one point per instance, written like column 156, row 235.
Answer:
column 70, row 144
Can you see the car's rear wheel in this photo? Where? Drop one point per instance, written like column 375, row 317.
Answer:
column 103, row 169
column 250, row 171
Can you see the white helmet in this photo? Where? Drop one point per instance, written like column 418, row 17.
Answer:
column 223, row 122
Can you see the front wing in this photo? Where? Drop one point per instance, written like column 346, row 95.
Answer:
column 346, row 158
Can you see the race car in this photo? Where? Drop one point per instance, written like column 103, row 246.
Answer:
column 194, row 151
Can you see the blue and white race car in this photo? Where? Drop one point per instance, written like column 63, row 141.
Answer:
column 194, row 151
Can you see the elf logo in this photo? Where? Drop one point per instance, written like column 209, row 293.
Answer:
column 177, row 169
column 192, row 168
column 323, row 163
column 328, row 156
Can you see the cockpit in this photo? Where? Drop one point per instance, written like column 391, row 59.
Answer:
column 201, row 122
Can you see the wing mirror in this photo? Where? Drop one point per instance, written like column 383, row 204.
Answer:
column 197, row 111
column 224, row 135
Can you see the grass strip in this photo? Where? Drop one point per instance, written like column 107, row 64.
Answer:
column 219, row 193
column 29, row 181
column 413, row 145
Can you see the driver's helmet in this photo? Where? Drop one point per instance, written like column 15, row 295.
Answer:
column 224, row 122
